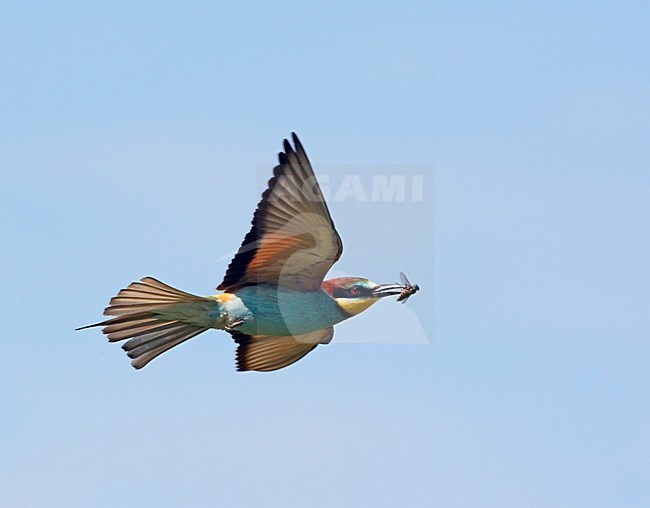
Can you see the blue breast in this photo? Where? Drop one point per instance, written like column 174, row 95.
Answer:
column 268, row 310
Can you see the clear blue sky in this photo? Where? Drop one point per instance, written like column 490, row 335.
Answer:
column 132, row 140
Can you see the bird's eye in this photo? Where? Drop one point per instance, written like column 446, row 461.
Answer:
column 355, row 291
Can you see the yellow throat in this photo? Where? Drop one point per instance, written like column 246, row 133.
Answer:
column 356, row 306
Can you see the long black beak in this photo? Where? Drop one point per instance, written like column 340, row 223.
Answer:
column 387, row 290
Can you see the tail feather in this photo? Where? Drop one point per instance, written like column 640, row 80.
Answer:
column 157, row 343
column 137, row 318
column 138, row 330
column 146, row 295
column 146, row 340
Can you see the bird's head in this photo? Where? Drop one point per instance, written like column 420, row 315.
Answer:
column 354, row 294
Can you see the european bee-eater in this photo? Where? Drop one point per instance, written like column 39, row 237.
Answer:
column 275, row 302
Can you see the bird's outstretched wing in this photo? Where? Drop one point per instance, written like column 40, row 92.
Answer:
column 293, row 242
column 266, row 353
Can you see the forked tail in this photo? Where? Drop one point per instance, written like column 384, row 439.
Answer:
column 151, row 314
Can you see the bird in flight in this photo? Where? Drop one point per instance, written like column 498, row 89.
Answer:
column 274, row 302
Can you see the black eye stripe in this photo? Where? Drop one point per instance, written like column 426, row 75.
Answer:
column 353, row 292
column 342, row 293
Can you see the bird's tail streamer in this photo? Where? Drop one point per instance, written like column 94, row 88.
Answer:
column 147, row 313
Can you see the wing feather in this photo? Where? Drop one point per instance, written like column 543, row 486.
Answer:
column 267, row 353
column 293, row 242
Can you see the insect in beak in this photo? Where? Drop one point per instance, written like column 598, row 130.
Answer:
column 404, row 290
column 408, row 289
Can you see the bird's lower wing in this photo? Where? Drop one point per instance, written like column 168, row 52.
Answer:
column 267, row 353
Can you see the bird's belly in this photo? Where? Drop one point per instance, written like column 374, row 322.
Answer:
column 274, row 312
column 282, row 325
